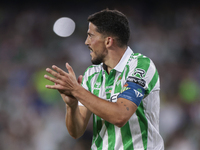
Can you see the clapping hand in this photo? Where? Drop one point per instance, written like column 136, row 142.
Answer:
column 65, row 82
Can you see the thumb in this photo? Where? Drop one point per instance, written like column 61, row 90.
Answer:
column 80, row 79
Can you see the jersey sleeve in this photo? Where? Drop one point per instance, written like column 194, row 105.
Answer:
column 85, row 83
column 141, row 79
column 146, row 73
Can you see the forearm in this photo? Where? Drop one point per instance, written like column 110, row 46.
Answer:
column 74, row 121
column 114, row 113
column 76, row 118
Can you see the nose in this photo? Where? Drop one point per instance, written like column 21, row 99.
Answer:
column 86, row 41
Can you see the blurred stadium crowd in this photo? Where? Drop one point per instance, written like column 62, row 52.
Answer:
column 32, row 117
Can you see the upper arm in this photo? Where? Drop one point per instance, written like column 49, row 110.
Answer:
column 130, row 97
column 127, row 109
column 133, row 90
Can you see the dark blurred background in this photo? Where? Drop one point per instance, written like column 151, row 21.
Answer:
column 32, row 117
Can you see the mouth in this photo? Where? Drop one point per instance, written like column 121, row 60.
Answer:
column 90, row 49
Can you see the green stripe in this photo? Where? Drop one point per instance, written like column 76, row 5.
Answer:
column 89, row 81
column 98, row 84
column 96, row 92
column 109, row 81
column 127, row 71
column 143, row 63
column 98, row 121
column 111, row 136
column 110, row 78
column 99, row 141
column 152, row 82
column 94, row 129
column 143, row 124
column 118, row 85
column 127, row 137
column 89, row 77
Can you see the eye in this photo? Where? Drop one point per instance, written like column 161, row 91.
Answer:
column 90, row 35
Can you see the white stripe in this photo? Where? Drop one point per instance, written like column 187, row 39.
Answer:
column 132, row 66
column 102, row 92
column 152, row 103
column 136, row 132
column 150, row 72
column 104, row 135
column 157, row 85
column 93, row 147
column 118, row 139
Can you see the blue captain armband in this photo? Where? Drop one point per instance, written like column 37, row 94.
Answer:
column 133, row 92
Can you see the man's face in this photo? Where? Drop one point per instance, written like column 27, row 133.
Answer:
column 96, row 43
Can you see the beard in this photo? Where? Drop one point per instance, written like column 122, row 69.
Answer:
column 98, row 56
column 97, row 60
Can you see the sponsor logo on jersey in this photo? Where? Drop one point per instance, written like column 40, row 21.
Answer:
column 137, row 80
column 108, row 89
column 139, row 72
column 113, row 98
column 97, row 85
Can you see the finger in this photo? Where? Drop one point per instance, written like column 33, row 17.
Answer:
column 56, row 81
column 50, row 86
column 57, row 87
column 80, row 79
column 60, row 71
column 55, row 74
column 70, row 70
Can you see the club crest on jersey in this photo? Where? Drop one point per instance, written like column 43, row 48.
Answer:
column 126, row 84
column 125, row 87
column 119, row 80
column 139, row 72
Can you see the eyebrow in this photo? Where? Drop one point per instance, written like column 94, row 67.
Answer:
column 90, row 34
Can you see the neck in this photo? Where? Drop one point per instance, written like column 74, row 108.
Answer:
column 113, row 58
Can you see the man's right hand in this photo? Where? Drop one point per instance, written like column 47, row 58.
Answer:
column 69, row 99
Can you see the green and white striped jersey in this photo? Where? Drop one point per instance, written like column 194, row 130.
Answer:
column 141, row 132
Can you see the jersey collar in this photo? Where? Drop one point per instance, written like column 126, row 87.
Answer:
column 123, row 61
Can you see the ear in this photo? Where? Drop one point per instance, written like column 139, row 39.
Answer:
column 109, row 41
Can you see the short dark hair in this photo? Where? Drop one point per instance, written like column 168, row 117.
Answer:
column 112, row 23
